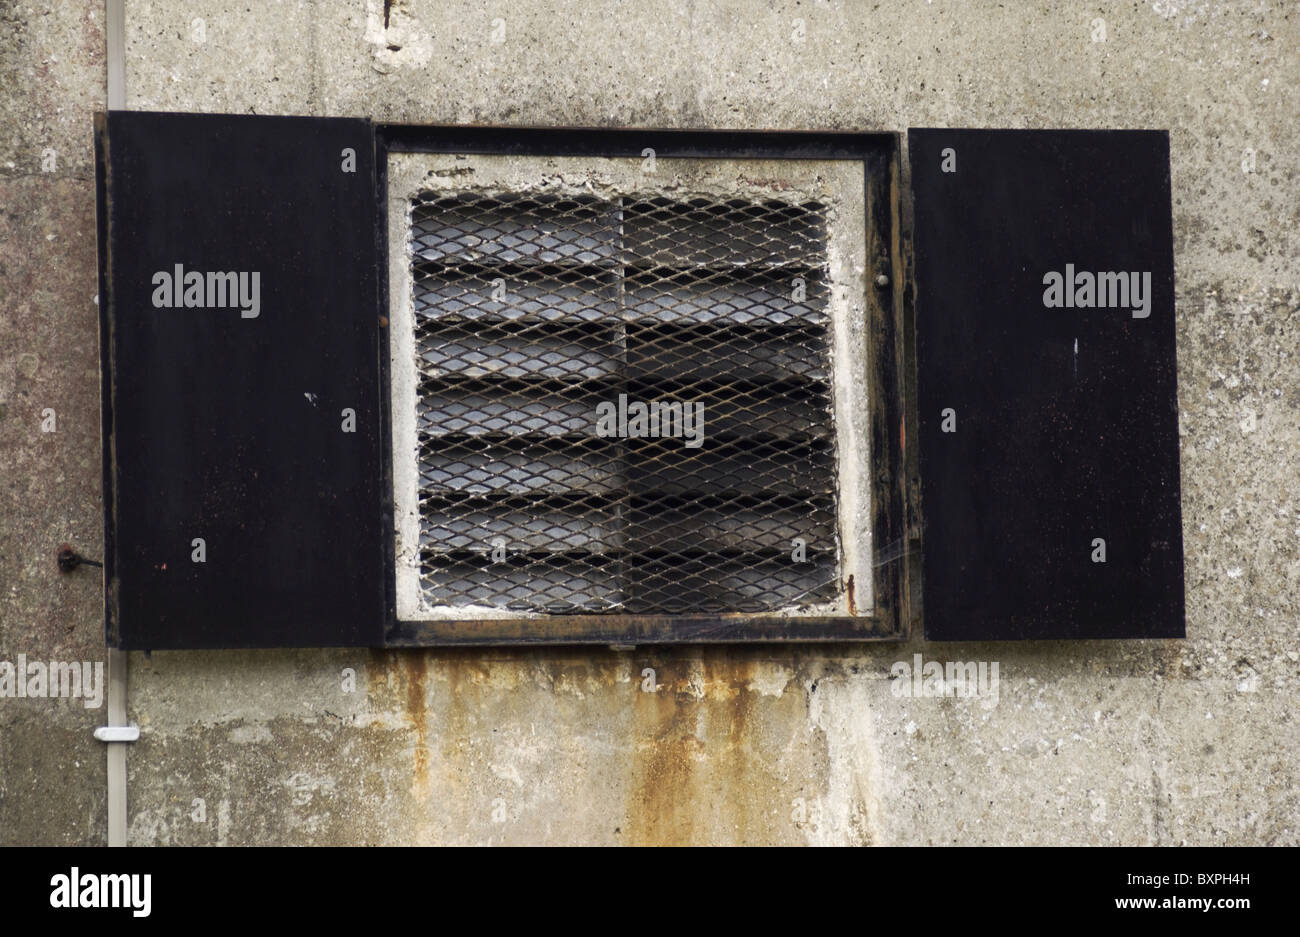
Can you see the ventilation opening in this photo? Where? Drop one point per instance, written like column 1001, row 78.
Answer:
column 624, row 404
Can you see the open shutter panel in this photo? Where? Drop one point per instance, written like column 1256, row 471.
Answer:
column 1046, row 384
column 240, row 347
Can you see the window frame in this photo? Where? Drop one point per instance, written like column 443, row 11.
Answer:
column 890, row 488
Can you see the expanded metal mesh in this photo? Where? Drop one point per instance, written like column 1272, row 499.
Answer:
column 544, row 324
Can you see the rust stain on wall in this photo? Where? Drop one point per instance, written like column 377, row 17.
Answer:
column 519, row 747
column 699, row 774
column 414, row 670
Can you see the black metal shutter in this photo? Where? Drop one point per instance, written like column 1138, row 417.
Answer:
column 226, row 423
column 1048, row 433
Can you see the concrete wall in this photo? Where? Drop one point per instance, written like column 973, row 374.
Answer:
column 1123, row 742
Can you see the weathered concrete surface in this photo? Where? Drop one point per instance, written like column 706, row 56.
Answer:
column 1123, row 742
column 51, row 769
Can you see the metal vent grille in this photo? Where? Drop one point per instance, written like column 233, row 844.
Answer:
column 544, row 324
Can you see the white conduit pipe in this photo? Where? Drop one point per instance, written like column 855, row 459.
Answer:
column 115, row 31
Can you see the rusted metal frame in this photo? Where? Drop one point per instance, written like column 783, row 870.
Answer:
column 879, row 153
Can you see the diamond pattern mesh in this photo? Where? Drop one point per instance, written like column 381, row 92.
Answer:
column 544, row 325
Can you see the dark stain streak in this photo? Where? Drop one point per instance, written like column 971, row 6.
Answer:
column 388, row 9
